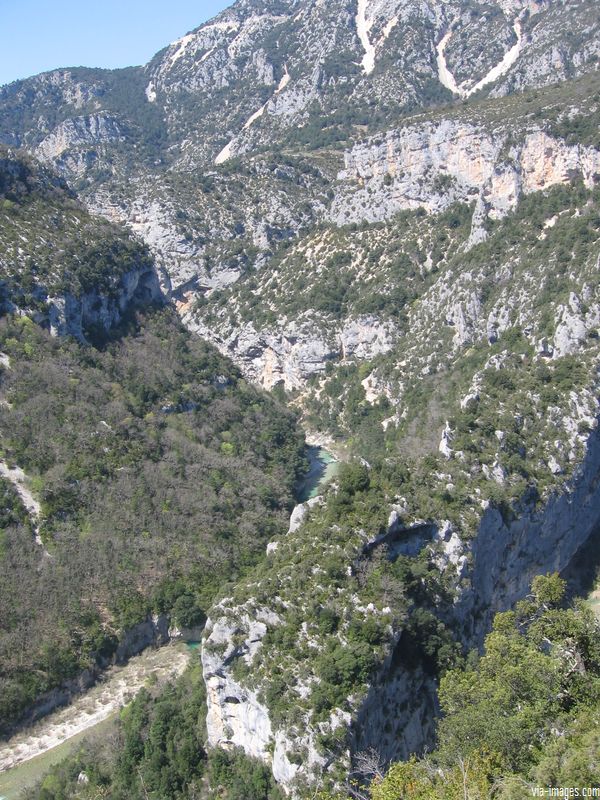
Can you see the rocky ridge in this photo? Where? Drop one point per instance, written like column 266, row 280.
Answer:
column 267, row 74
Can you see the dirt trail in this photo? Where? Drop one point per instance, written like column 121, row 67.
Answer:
column 19, row 480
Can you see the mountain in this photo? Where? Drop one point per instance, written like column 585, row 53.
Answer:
column 133, row 142
column 387, row 213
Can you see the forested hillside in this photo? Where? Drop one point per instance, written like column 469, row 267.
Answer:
column 159, row 472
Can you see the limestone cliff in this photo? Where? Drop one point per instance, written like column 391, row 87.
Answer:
column 435, row 165
column 294, row 350
column 508, row 554
column 488, row 572
column 70, row 315
column 73, row 145
column 237, row 715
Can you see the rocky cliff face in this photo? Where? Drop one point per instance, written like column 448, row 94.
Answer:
column 388, row 719
column 508, row 554
column 238, row 716
column 294, row 350
column 433, row 166
column 72, row 147
column 69, row 315
column 488, row 572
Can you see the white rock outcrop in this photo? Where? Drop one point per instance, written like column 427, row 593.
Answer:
column 573, row 326
column 432, row 165
column 445, row 446
column 237, row 716
column 300, row 512
column 291, row 351
column 70, row 147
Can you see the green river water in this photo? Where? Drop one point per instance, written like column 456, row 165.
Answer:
column 322, row 468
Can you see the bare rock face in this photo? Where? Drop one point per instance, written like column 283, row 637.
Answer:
column 366, row 337
column 507, row 555
column 153, row 631
column 71, row 316
column 71, row 146
column 235, row 716
column 274, row 357
column 181, row 633
column 238, row 716
column 300, row 512
column 381, row 727
column 434, row 165
column 575, row 323
column 294, row 350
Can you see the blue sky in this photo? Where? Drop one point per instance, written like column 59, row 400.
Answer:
column 38, row 35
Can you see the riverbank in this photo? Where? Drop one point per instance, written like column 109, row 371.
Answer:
column 27, row 774
column 325, row 441
column 68, row 725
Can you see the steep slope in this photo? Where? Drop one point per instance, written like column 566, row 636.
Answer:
column 537, row 682
column 469, row 335
column 489, row 370
column 348, row 291
column 74, row 273
column 134, row 458
column 403, row 561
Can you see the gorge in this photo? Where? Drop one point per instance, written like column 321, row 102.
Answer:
column 360, row 237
